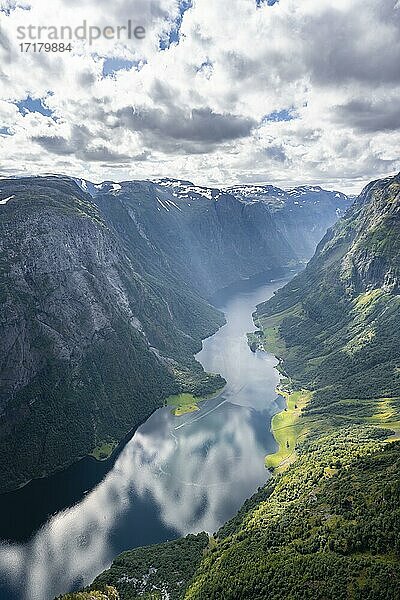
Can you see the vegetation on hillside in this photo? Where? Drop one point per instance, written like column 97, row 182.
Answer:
column 107, row 593
column 288, row 429
column 91, row 343
column 154, row 572
column 187, row 403
column 327, row 526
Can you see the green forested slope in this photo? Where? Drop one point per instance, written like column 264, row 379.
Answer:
column 153, row 572
column 90, row 343
column 338, row 322
column 327, row 525
column 330, row 522
column 328, row 528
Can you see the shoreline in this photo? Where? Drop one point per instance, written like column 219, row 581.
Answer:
column 70, row 464
column 287, row 428
column 183, row 404
column 285, row 424
column 116, row 451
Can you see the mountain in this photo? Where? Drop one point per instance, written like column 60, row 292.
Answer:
column 213, row 237
column 104, row 293
column 339, row 319
column 327, row 524
column 90, row 342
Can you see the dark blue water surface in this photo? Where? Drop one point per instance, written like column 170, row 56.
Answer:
column 176, row 475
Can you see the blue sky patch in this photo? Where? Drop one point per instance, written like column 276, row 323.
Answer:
column 286, row 114
column 112, row 65
column 173, row 36
column 267, row 2
column 33, row 105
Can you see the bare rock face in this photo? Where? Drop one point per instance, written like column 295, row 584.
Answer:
column 374, row 252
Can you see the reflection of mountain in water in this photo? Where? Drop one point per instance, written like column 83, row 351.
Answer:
column 174, row 477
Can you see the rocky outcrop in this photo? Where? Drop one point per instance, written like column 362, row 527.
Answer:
column 339, row 318
column 373, row 260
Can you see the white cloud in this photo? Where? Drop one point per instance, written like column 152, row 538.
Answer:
column 197, row 109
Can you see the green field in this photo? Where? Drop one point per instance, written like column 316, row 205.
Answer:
column 287, row 429
column 187, row 403
column 183, row 403
column 104, row 451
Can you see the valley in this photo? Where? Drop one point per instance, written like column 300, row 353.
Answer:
column 177, row 475
column 200, row 300
column 326, row 524
column 327, row 505
column 105, row 290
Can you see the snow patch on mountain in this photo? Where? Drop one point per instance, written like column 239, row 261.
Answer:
column 5, row 200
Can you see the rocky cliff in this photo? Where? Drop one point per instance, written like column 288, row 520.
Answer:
column 339, row 317
column 327, row 524
column 90, row 343
column 213, row 237
column 103, row 301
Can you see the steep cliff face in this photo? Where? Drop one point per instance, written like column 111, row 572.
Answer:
column 339, row 319
column 89, row 345
column 301, row 215
column 213, row 237
column 102, row 291
column 373, row 259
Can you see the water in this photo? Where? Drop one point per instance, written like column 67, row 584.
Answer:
column 175, row 476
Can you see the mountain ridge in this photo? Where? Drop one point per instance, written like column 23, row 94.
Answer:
column 104, row 293
column 327, row 524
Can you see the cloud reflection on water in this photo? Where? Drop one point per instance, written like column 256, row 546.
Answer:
column 178, row 475
column 191, row 495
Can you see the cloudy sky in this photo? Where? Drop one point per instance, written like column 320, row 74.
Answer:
column 218, row 92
